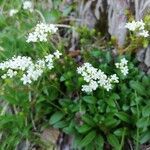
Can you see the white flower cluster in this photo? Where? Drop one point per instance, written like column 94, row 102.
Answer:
column 134, row 25
column 95, row 78
column 123, row 66
column 40, row 32
column 30, row 71
column 12, row 12
column 143, row 33
column 137, row 26
column 28, row 5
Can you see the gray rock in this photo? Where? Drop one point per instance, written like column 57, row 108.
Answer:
column 147, row 57
column 143, row 67
column 148, row 72
column 24, row 145
column 117, row 19
column 140, row 55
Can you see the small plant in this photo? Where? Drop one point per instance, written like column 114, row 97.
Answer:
column 139, row 33
column 106, row 116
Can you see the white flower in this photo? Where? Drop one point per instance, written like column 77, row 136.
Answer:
column 57, row 54
column 40, row 63
column 11, row 73
column 117, row 65
column 114, row 78
column 132, row 26
column 125, row 70
column 86, row 88
column 108, row 86
column 124, row 61
column 40, row 32
column 27, row 5
column 87, row 77
column 93, row 85
column 143, row 33
column 95, row 78
column 52, row 28
column 4, row 76
column 49, row 58
column 123, row 66
column 50, row 66
column 135, row 25
column 32, row 37
column 31, row 71
column 12, row 12
column 35, row 73
column 26, row 79
column 16, row 63
column 139, row 26
column 80, row 70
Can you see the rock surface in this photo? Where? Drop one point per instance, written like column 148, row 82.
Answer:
column 143, row 56
column 147, row 57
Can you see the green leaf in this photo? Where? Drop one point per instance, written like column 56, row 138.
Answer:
column 146, row 111
column 52, row 93
column 119, row 132
column 137, row 86
column 53, row 15
column 89, row 146
column 111, row 102
column 145, row 43
column 99, row 141
column 56, row 117
column 67, row 10
column 146, row 81
column 111, row 122
column 115, row 96
column 76, row 141
column 88, row 139
column 89, row 120
column 143, row 122
column 145, row 137
column 70, row 129
column 60, row 124
column 89, row 99
column 62, row 78
column 123, row 116
column 111, row 110
column 125, row 107
column 108, row 56
column 84, row 128
column 113, row 140
column 95, row 53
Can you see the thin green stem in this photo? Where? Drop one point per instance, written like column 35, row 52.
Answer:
column 40, row 14
column 30, row 97
column 2, row 6
column 137, row 131
column 80, row 105
column 57, row 107
column 58, row 90
column 2, row 113
column 118, row 107
column 45, row 51
column 33, row 123
column 122, row 139
column 4, row 109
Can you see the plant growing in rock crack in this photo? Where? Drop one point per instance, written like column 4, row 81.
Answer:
column 139, row 34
